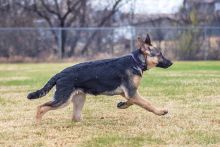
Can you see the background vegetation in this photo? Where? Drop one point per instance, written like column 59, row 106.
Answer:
column 48, row 30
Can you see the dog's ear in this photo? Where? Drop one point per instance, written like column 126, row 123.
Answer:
column 140, row 42
column 147, row 40
column 142, row 47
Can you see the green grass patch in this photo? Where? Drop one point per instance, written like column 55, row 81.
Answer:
column 203, row 137
column 117, row 140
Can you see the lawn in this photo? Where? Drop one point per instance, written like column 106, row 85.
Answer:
column 190, row 91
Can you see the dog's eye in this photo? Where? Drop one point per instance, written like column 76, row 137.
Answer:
column 149, row 49
column 152, row 54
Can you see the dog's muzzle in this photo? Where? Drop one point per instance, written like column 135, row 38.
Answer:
column 165, row 63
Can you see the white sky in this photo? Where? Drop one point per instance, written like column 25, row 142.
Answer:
column 149, row 6
column 157, row 6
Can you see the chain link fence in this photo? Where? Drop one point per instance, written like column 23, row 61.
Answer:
column 178, row 43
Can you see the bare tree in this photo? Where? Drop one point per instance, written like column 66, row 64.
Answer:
column 191, row 40
column 56, row 13
column 14, row 16
column 67, row 13
column 104, row 19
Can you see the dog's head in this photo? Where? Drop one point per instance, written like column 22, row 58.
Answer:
column 153, row 56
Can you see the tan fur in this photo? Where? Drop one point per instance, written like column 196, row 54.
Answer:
column 43, row 109
column 125, row 92
column 151, row 62
column 78, row 103
column 136, row 80
column 126, row 105
column 117, row 91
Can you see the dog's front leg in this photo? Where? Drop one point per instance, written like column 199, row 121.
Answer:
column 124, row 105
column 138, row 100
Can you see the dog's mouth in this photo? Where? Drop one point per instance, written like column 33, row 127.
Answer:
column 164, row 64
column 168, row 64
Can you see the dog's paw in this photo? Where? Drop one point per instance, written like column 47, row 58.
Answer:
column 122, row 105
column 162, row 112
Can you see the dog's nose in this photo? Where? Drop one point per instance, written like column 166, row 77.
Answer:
column 170, row 63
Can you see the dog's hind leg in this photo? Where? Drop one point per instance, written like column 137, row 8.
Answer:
column 61, row 99
column 78, row 100
column 51, row 105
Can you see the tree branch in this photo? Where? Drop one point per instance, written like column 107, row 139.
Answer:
column 50, row 10
column 103, row 21
column 70, row 8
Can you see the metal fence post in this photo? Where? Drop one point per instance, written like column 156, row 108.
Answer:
column 207, row 44
column 133, row 33
column 112, row 44
column 60, row 42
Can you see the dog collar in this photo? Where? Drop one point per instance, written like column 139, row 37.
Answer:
column 139, row 63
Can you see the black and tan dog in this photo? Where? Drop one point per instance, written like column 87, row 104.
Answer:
column 118, row 76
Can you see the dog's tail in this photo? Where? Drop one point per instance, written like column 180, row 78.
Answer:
column 43, row 91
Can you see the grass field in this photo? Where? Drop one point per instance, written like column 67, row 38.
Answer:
column 190, row 91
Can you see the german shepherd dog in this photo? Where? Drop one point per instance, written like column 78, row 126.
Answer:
column 117, row 76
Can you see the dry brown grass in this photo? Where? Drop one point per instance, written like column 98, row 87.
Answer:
column 190, row 90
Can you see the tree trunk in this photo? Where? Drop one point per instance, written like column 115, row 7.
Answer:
column 63, row 43
column 63, row 38
column 73, row 46
column 89, row 41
